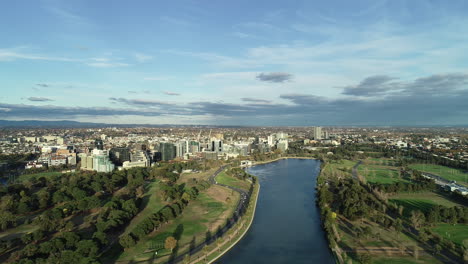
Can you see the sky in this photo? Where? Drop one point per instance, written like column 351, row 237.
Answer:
column 252, row 63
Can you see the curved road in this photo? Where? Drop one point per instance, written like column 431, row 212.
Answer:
column 243, row 201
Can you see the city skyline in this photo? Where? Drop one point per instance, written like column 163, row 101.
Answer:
column 268, row 63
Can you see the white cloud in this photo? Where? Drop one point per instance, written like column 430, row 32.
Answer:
column 107, row 64
column 140, row 57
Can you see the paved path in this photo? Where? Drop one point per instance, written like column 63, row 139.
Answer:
column 354, row 172
column 241, row 206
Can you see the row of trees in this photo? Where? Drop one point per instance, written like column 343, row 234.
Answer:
column 164, row 215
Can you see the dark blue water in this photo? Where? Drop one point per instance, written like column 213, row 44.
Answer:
column 286, row 227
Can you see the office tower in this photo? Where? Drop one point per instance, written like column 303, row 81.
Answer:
column 119, row 155
column 99, row 144
column 168, row 151
column 101, row 161
column 271, row 140
column 194, row 147
column 217, row 145
column 317, row 133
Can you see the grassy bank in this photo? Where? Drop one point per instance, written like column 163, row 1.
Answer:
column 223, row 244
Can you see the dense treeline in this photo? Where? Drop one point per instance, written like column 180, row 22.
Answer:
column 74, row 216
column 417, row 183
column 181, row 196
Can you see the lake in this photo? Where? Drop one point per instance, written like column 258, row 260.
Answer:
column 286, row 227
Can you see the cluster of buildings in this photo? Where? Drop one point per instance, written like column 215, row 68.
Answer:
column 106, row 149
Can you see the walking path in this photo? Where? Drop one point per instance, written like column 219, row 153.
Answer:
column 240, row 209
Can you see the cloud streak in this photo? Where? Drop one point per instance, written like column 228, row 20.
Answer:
column 171, row 93
column 39, row 99
column 255, row 100
column 275, row 77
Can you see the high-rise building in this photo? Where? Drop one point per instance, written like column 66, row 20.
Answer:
column 194, row 147
column 317, row 132
column 282, row 145
column 119, row 155
column 140, row 156
column 168, row 151
column 101, row 161
column 181, row 148
column 217, row 145
column 99, row 144
column 271, row 140
column 281, row 135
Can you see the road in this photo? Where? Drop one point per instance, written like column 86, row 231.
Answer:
column 354, row 172
column 241, row 206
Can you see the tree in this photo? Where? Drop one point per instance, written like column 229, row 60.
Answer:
column 87, row 248
column 365, row 258
column 170, row 243
column 127, row 241
column 101, row 237
column 7, row 219
column 417, row 219
column 398, row 225
column 205, row 250
column 437, row 249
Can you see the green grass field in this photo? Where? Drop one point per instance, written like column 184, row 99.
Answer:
column 344, row 166
column 25, row 177
column 456, row 233
column 422, row 201
column 445, row 172
column 380, row 174
column 225, row 179
column 153, row 204
column 204, row 214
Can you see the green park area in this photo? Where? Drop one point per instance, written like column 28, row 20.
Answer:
column 447, row 173
column 338, row 168
column 455, row 233
column 381, row 171
column 422, row 201
column 224, row 178
column 151, row 202
column 200, row 219
column 36, row 176
column 384, row 224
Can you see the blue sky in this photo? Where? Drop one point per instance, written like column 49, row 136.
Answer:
column 235, row 62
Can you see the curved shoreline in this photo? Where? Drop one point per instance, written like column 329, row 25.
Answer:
column 281, row 158
column 243, row 234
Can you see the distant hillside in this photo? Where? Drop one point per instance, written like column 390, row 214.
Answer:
column 75, row 124
column 55, row 124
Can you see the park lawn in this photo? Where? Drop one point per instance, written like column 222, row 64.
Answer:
column 455, row 233
column 445, row 172
column 152, row 203
column 378, row 174
column 225, row 179
column 203, row 175
column 25, row 177
column 381, row 161
column 342, row 165
column 380, row 237
column 422, row 201
column 206, row 213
